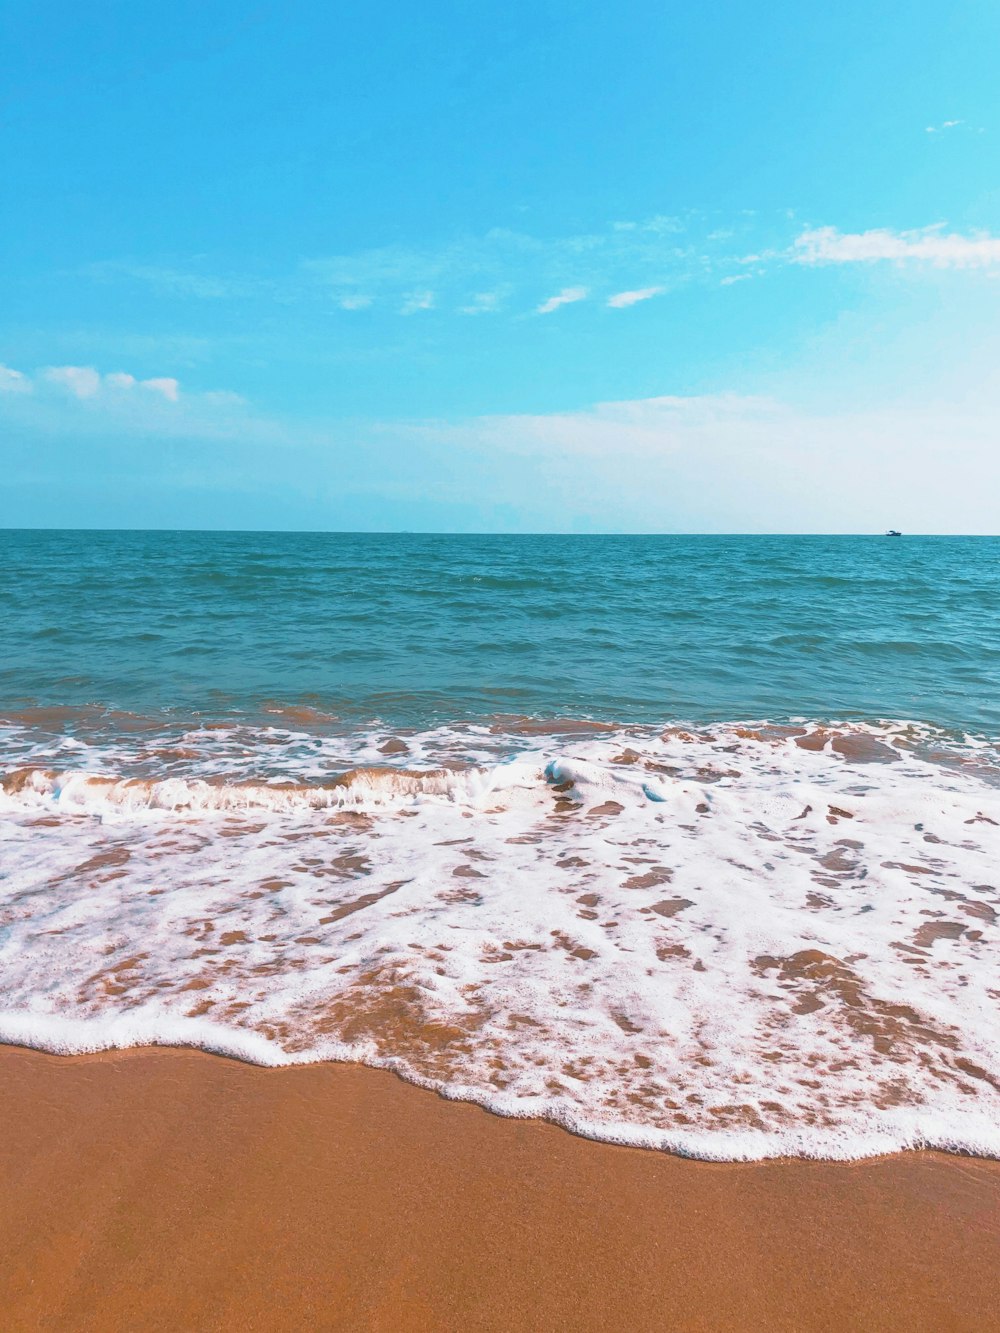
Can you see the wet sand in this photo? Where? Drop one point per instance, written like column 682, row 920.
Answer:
column 173, row 1189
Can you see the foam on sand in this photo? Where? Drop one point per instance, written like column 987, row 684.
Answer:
column 736, row 944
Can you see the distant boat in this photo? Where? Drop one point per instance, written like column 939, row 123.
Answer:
column 893, row 533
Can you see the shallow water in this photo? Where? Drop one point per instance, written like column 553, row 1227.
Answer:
column 604, row 830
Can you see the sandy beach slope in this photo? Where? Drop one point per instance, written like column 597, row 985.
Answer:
column 173, row 1189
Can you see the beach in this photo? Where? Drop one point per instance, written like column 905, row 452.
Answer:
column 462, row 933
column 173, row 1189
column 499, row 668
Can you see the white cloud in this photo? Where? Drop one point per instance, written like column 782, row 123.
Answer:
column 82, row 381
column 566, row 297
column 86, row 382
column 417, row 301
column 734, row 277
column 945, row 125
column 66, row 400
column 169, row 388
column 622, row 299
column 165, row 385
column 932, row 245
column 13, row 381
column 358, row 301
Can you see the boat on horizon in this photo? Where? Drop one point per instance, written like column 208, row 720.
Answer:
column 892, row 532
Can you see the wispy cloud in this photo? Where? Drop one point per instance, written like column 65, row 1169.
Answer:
column 931, row 245
column 945, row 125
column 415, row 301
column 568, row 296
column 466, row 272
column 169, row 280
column 14, row 381
column 622, row 299
column 619, row 264
column 660, row 225
column 482, row 303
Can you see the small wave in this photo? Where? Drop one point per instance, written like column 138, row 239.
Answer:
column 72, row 790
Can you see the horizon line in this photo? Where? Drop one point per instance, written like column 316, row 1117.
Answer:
column 462, row 532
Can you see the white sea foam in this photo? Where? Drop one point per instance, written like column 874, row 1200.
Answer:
column 734, row 944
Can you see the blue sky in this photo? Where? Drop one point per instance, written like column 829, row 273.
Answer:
column 519, row 267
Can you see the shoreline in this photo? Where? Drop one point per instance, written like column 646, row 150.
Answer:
column 163, row 1187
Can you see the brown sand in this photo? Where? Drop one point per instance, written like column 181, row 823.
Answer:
column 176, row 1190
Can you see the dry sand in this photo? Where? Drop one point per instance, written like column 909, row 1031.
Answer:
column 176, row 1190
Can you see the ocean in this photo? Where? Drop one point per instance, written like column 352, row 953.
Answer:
column 684, row 842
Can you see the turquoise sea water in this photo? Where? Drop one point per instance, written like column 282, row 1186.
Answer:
column 417, row 630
